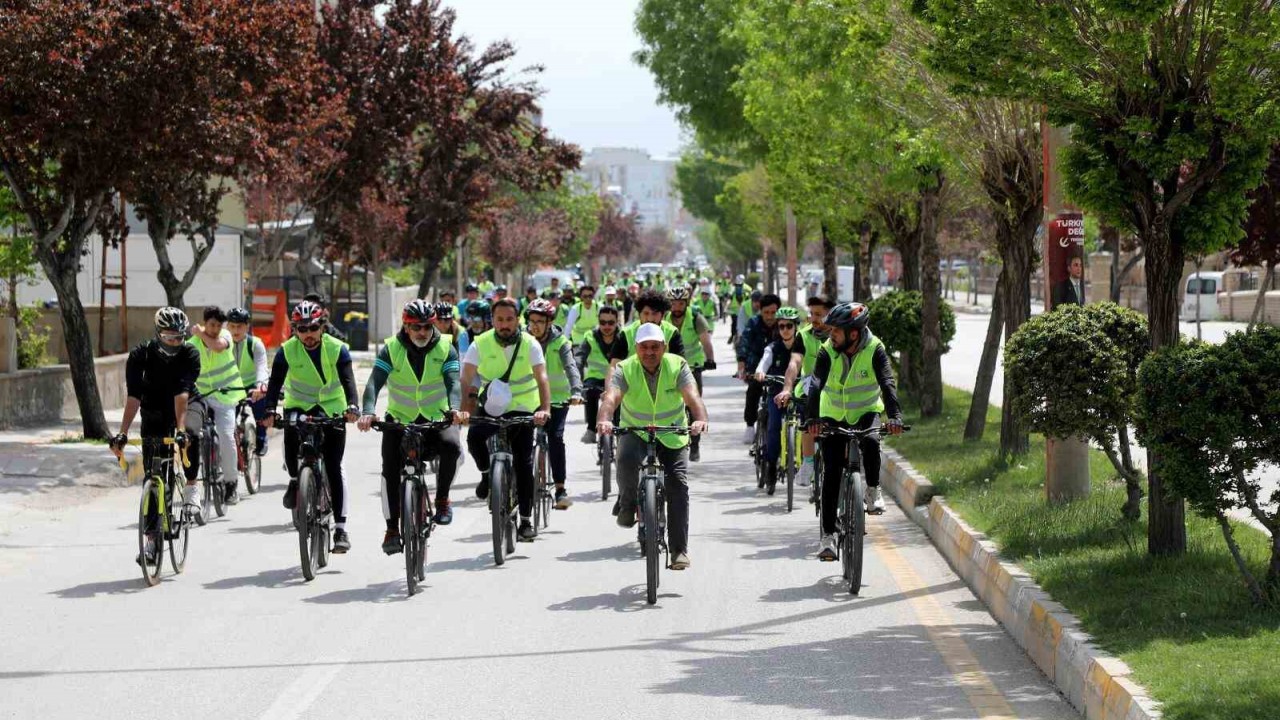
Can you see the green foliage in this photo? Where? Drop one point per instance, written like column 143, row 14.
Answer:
column 896, row 320
column 403, row 276
column 33, row 339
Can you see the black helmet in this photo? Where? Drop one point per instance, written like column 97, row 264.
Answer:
column 418, row 311
column 444, row 311
column 238, row 315
column 479, row 310
column 849, row 316
column 471, row 287
column 171, row 319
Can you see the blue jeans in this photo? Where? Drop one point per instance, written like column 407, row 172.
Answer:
column 259, row 411
column 773, row 434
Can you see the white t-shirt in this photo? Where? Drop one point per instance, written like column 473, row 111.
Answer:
column 534, row 349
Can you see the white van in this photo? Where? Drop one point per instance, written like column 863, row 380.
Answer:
column 1202, row 286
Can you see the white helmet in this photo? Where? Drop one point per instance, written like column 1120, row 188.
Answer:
column 740, row 279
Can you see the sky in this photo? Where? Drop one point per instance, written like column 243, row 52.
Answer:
column 595, row 94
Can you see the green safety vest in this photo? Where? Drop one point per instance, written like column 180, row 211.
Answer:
column 851, row 389
column 734, row 302
column 562, row 315
column 597, row 363
column 693, row 351
column 629, row 334
column 248, row 368
column 641, row 409
column 303, row 388
column 408, row 395
column 708, row 309
column 812, row 345
column 218, row 369
column 557, row 378
column 493, row 363
column 585, row 322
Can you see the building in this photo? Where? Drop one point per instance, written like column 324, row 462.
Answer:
column 640, row 181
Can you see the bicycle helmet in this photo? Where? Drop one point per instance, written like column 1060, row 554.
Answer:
column 444, row 311
column 678, row 292
column 306, row 313
column 788, row 313
column 479, row 310
column 541, row 307
column 500, row 288
column 238, row 315
column 740, row 279
column 549, row 294
column 756, row 295
column 171, row 319
column 471, row 287
column 417, row 311
column 849, row 316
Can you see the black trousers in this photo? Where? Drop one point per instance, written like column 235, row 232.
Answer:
column 521, row 439
column 156, row 426
column 445, row 444
column 752, row 408
column 332, row 450
column 675, row 466
column 591, row 392
column 697, row 379
column 837, row 454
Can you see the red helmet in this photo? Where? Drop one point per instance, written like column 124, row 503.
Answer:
column 417, row 311
column 307, row 313
column 541, row 307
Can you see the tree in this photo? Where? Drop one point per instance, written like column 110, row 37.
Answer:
column 519, row 236
column 896, row 318
column 617, row 233
column 1172, row 106
column 1261, row 242
column 701, row 178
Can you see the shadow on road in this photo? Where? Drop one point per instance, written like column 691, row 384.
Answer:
column 625, row 552
column 628, row 599
column 109, row 587
column 374, row 593
column 278, row 578
column 273, row 529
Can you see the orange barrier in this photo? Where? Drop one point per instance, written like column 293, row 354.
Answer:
column 270, row 317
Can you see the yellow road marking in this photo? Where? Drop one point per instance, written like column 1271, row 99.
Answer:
column 956, row 654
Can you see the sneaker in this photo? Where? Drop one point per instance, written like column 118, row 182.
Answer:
column 770, row 479
column 233, row 495
column 291, row 495
column 527, row 532
column 193, row 501
column 627, row 516
column 748, row 436
column 827, row 550
column 392, row 543
column 562, row 499
column 341, row 543
column 875, row 502
column 680, row 561
column 805, row 476
column 444, row 512
column 617, row 505
column 149, row 552
column 588, row 437
column 482, row 490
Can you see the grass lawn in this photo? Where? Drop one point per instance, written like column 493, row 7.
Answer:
column 1185, row 625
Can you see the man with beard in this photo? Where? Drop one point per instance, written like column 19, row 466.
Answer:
column 695, row 335
column 566, row 387
column 753, row 339
column 812, row 335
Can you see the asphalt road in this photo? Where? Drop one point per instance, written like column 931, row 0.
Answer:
column 756, row 628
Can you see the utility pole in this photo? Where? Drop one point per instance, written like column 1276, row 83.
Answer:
column 791, row 256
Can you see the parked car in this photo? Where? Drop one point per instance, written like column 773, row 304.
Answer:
column 1204, row 287
column 542, row 279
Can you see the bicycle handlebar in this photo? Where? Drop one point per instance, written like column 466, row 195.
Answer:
column 830, row 430
column 142, row 442
column 381, row 425
column 652, row 431
column 501, row 422
column 290, row 418
column 230, row 388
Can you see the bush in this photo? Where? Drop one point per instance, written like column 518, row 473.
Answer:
column 895, row 319
column 33, row 340
column 1210, row 413
column 1073, row 372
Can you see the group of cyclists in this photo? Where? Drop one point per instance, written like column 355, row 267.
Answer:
column 634, row 358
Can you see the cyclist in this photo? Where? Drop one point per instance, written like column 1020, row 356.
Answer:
column 479, row 321
column 611, row 296
column 329, row 327
column 530, row 294
column 737, row 298
column 160, row 375
column 446, row 325
column 251, row 357
column 567, row 301
column 654, row 388
column 566, row 387
column 581, row 319
column 596, row 355
column 471, row 293
column 652, row 308
column 853, row 384
column 419, row 367
column 218, row 369
column 506, row 352
column 695, row 335
column 755, row 337
column 314, row 371
column 812, row 335
column 775, row 360
column 707, row 305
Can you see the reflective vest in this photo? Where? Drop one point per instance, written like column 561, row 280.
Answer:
column 708, row 309
column 693, row 351
column 562, row 315
column 408, row 395
column 218, row 369
column 597, row 361
column 812, row 345
column 629, row 334
column 249, row 349
column 588, row 318
column 557, row 378
column 739, row 296
column 303, row 387
column 493, row 364
column 851, row 390
column 642, row 409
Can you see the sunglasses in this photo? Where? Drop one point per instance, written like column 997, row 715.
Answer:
column 418, row 327
column 608, row 323
column 786, row 326
column 307, row 328
column 172, row 337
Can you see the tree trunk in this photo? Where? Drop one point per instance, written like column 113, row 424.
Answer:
column 1018, row 254
column 866, row 251
column 909, row 249
column 976, row 425
column 1166, row 526
column 829, row 277
column 429, row 267
column 1124, row 274
column 175, row 288
column 930, row 203
column 1262, row 294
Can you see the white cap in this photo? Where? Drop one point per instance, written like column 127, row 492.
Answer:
column 611, row 290
column 649, row 332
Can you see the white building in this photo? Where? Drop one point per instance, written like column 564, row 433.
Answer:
column 643, row 181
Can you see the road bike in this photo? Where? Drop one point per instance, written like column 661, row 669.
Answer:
column 248, row 461
column 216, row 487
column 313, row 506
column 791, row 448
column 605, row 457
column 502, row 481
column 544, row 491
column 651, row 504
column 851, row 518
column 417, row 514
column 162, row 514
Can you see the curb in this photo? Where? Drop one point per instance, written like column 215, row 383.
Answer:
column 1097, row 684
column 84, row 464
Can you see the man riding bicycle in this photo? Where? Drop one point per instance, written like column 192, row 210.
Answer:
column 597, row 354
column 777, row 357
column 160, row 375
column 479, row 322
column 513, row 369
column 251, row 357
column 218, row 369
column 756, row 335
column 654, row 388
column 419, row 367
column 695, row 335
column 566, row 387
column 582, row 317
column 812, row 336
column 652, row 308
column 314, row 370
column 853, row 384
column 445, row 323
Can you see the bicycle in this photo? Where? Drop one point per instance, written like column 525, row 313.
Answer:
column 851, row 520
column 543, row 486
column 791, row 448
column 417, row 513
column 248, row 462
column 759, row 449
column 605, row 458
column 313, row 507
column 651, row 505
column 502, row 491
column 215, row 485
column 159, row 491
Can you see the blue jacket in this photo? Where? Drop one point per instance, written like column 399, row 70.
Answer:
column 752, row 341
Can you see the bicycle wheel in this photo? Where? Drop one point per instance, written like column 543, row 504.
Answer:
column 252, row 462
column 649, row 513
column 214, row 482
column 150, row 499
column 409, row 532
column 606, row 466
column 789, row 460
column 425, row 511
column 853, row 528
column 498, row 509
column 179, row 536
column 303, row 518
column 322, row 518
column 539, row 485
column 511, row 515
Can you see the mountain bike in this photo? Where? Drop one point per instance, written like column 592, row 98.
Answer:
column 313, row 508
column 791, row 448
column 605, row 459
column 502, row 491
column 417, row 514
column 544, row 491
column 248, row 462
column 162, row 514
column 759, row 446
column 651, row 504
column 851, row 518
column 216, row 486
